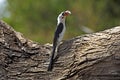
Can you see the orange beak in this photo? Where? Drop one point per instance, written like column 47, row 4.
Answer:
column 66, row 13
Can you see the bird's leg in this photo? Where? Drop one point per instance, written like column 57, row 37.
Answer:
column 56, row 51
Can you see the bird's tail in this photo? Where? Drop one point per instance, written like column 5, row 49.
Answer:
column 51, row 60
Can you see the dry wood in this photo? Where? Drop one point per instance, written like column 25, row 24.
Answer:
column 93, row 56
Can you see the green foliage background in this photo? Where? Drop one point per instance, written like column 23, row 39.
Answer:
column 36, row 19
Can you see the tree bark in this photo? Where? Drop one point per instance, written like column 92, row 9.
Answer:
column 93, row 56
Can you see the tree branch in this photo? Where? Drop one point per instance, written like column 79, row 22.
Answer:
column 87, row 57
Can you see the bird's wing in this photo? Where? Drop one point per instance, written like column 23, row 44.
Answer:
column 57, row 33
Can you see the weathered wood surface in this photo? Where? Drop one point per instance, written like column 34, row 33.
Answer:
column 89, row 57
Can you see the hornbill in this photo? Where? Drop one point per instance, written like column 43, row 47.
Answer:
column 59, row 33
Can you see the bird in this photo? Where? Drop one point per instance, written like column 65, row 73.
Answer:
column 58, row 35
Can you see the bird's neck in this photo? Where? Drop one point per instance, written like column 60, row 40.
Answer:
column 61, row 21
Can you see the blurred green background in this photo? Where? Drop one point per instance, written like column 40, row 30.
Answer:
column 36, row 19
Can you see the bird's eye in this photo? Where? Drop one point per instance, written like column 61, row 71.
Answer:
column 63, row 14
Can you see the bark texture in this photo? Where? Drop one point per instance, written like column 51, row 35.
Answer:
column 88, row 57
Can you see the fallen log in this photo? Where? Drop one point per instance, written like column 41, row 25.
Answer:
column 93, row 56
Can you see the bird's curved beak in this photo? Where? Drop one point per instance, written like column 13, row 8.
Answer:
column 66, row 13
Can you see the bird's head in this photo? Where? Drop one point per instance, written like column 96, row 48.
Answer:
column 62, row 16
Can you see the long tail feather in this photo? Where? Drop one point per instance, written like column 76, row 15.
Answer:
column 51, row 60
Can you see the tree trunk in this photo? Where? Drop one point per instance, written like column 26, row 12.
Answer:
column 88, row 57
